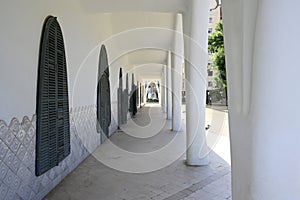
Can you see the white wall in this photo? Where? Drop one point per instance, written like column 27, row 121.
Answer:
column 139, row 5
column 22, row 24
column 83, row 33
column 114, row 85
column 263, row 102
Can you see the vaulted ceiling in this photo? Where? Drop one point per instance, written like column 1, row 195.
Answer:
column 144, row 38
column 142, row 30
column 173, row 6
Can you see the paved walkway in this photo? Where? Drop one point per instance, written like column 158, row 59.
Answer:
column 145, row 161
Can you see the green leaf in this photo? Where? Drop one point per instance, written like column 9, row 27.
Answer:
column 216, row 46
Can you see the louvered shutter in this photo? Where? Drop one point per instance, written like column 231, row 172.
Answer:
column 103, row 94
column 53, row 132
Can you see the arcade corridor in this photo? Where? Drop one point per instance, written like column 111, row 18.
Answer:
column 103, row 175
column 70, row 74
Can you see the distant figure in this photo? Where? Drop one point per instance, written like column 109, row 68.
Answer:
column 208, row 98
column 152, row 94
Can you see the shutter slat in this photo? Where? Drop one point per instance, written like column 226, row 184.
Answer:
column 53, row 132
column 103, row 94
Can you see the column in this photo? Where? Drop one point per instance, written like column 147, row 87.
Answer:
column 169, row 87
column 137, row 94
column 263, row 85
column 133, row 97
column 165, row 89
column 140, row 93
column 162, row 92
column 195, row 26
column 125, row 100
column 120, row 98
column 177, row 57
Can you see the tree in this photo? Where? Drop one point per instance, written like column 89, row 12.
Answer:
column 216, row 46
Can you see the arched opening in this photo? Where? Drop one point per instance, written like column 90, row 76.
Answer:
column 52, row 108
column 152, row 93
column 103, row 95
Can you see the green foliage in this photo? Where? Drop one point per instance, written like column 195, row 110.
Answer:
column 152, row 101
column 216, row 46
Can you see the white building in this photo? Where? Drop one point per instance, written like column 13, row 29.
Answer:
column 145, row 38
column 214, row 18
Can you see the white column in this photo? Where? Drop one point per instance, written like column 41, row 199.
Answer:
column 264, row 96
column 138, row 94
column 163, row 90
column 195, row 27
column 169, row 87
column 177, row 58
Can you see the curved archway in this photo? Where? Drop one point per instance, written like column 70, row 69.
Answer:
column 103, row 95
column 152, row 93
column 52, row 109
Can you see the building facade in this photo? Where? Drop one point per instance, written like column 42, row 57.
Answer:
column 145, row 38
column 216, row 95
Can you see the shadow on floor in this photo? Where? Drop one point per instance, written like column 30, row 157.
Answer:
column 169, row 178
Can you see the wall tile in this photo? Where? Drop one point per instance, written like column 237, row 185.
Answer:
column 26, row 140
column 3, row 190
column 24, row 191
column 8, row 178
column 15, row 183
column 15, row 164
column 17, row 154
column 3, row 150
column 9, row 137
column 3, row 170
column 9, row 158
column 20, row 135
column 15, row 145
column 10, row 195
column 21, row 152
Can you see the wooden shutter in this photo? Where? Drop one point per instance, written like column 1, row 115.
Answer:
column 53, row 132
column 103, row 94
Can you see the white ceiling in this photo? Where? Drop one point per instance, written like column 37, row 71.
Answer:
column 145, row 56
column 142, row 30
column 96, row 6
column 144, row 38
column 149, row 71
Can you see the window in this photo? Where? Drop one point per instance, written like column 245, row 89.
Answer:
column 210, row 73
column 52, row 108
column 210, row 84
column 103, row 96
column 210, row 30
column 210, row 20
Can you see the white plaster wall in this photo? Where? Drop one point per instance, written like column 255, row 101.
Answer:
column 139, row 5
column 263, row 115
column 177, row 61
column 22, row 25
column 239, row 119
column 83, row 33
column 142, row 36
column 114, row 85
column 195, row 24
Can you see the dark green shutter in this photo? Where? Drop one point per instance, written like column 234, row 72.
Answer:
column 53, row 132
column 103, row 94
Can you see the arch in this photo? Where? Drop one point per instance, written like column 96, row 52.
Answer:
column 52, row 108
column 133, row 98
column 103, row 95
column 120, row 98
column 152, row 92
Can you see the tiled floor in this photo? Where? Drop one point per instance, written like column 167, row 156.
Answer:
column 142, row 165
